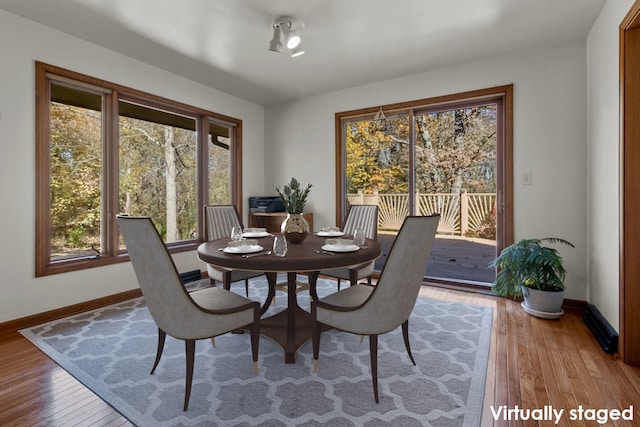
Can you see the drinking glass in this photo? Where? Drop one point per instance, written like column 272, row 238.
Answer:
column 279, row 245
column 236, row 233
column 358, row 237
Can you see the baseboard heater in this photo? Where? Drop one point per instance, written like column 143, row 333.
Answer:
column 190, row 276
column 601, row 329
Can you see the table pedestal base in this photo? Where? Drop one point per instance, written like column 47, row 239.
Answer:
column 275, row 328
column 292, row 327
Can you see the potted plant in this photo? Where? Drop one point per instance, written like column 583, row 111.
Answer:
column 533, row 271
column 294, row 197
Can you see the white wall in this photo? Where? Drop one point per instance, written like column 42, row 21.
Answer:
column 603, row 129
column 550, row 140
column 21, row 43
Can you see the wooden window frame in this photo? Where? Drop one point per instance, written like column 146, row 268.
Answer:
column 504, row 167
column 45, row 74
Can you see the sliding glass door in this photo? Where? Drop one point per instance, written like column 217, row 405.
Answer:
column 447, row 159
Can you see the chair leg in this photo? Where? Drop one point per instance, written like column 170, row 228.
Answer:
column 162, row 335
column 373, row 349
column 405, row 335
column 226, row 280
column 190, row 347
column 255, row 337
column 246, row 287
column 338, row 284
column 315, row 337
column 353, row 277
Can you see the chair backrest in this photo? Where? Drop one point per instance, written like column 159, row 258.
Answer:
column 363, row 217
column 157, row 275
column 400, row 280
column 219, row 220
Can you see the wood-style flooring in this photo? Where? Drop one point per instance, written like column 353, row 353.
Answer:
column 532, row 363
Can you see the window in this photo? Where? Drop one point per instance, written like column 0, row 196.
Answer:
column 449, row 155
column 104, row 149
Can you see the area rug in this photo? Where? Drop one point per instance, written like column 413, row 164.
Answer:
column 111, row 350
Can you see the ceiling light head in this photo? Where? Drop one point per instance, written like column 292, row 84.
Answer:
column 289, row 29
column 298, row 50
column 293, row 38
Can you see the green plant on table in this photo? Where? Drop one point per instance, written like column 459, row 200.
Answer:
column 294, row 196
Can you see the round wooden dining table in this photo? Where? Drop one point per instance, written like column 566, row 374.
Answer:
column 291, row 327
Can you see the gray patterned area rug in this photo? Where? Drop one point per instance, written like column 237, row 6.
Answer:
column 111, row 350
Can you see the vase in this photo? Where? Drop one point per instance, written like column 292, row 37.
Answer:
column 295, row 228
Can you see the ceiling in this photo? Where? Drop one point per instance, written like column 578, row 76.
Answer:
column 223, row 43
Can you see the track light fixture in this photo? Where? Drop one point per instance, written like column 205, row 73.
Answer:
column 287, row 28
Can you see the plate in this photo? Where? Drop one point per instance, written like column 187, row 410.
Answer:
column 256, row 234
column 340, row 248
column 242, row 249
column 330, row 233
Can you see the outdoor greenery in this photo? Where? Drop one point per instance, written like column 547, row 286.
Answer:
column 294, row 196
column 455, row 151
column 157, row 175
column 528, row 263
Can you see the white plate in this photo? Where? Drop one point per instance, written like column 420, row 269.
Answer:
column 256, row 234
column 340, row 248
column 330, row 233
column 242, row 249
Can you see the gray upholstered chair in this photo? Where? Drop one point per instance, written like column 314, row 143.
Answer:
column 374, row 310
column 219, row 220
column 201, row 314
column 363, row 217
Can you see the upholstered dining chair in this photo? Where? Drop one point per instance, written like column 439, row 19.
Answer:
column 205, row 313
column 374, row 310
column 359, row 217
column 219, row 220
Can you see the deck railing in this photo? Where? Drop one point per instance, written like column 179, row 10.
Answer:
column 465, row 214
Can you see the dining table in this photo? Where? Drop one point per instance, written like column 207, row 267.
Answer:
column 291, row 327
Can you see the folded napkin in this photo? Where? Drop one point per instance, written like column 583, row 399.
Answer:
column 330, row 229
column 255, row 230
column 339, row 242
column 241, row 243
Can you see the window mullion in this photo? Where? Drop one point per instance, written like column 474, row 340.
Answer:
column 202, row 193
column 111, row 168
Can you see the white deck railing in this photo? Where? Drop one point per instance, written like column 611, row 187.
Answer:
column 461, row 213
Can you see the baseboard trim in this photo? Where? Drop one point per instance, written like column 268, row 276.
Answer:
column 26, row 322
column 601, row 329
column 13, row 326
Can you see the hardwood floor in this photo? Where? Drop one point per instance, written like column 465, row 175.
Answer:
column 532, row 363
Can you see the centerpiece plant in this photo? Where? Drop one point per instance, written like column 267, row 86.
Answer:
column 294, row 197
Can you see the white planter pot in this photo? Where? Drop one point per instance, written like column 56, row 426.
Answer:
column 544, row 304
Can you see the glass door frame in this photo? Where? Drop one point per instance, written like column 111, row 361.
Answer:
column 504, row 153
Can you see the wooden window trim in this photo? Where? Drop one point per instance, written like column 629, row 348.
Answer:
column 45, row 73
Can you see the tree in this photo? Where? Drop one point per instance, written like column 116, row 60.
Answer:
column 455, row 150
column 75, row 193
column 377, row 161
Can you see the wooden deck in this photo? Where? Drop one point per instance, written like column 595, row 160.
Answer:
column 453, row 257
